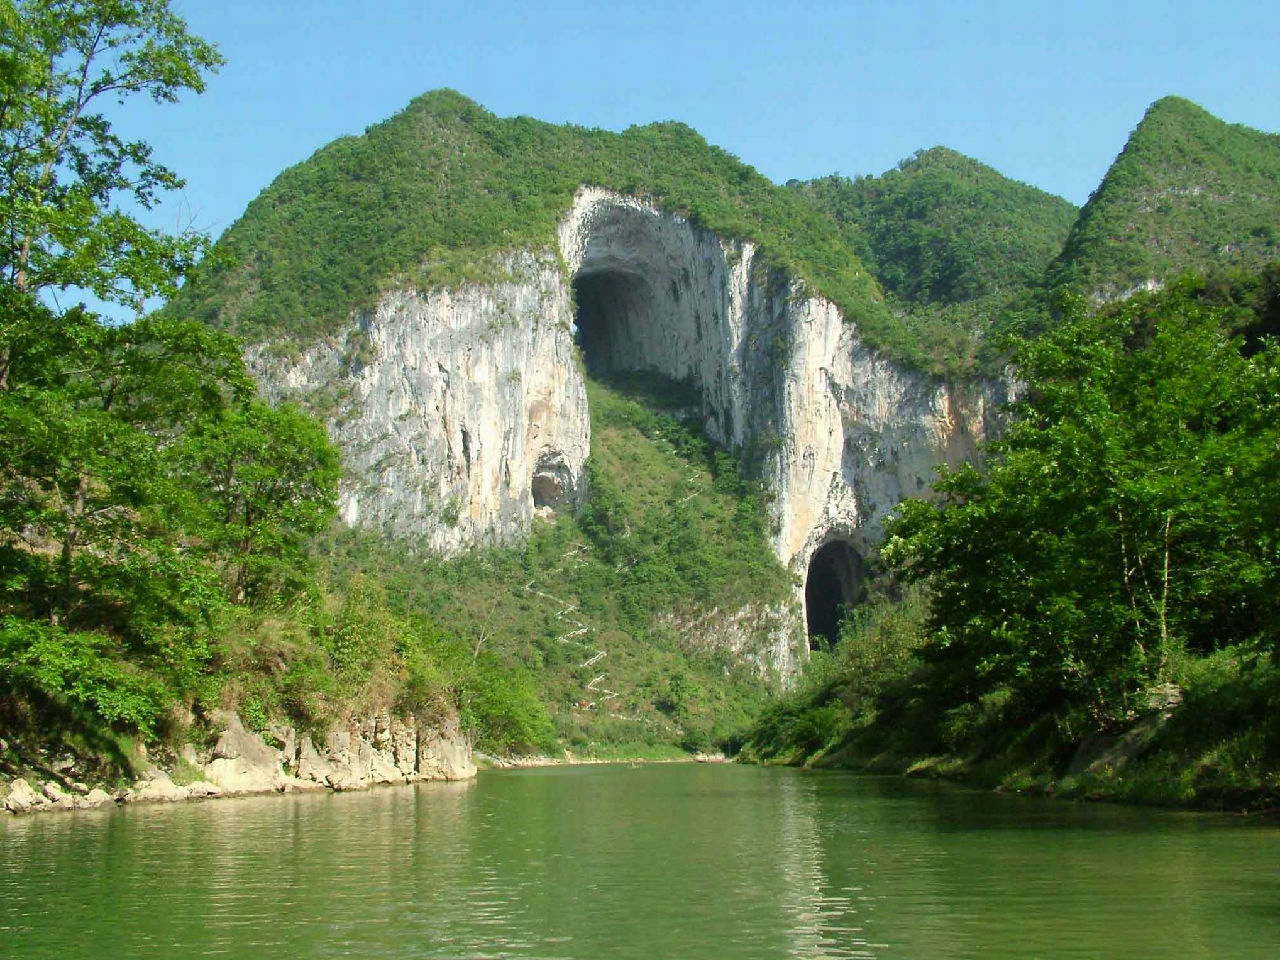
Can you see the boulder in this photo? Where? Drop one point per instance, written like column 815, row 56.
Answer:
column 57, row 797
column 159, row 788
column 22, row 799
column 312, row 765
column 243, row 762
column 445, row 758
column 203, row 788
column 94, row 798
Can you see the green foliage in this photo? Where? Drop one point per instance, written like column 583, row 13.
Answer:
column 89, row 672
column 1188, row 192
column 954, row 244
column 271, row 483
column 682, row 537
column 1220, row 748
column 153, row 512
column 91, row 515
column 65, row 170
column 501, row 702
column 434, row 195
column 1128, row 521
column 117, row 441
column 841, row 692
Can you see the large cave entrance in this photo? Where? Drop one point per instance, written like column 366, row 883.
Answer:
column 649, row 299
column 833, row 585
column 614, row 309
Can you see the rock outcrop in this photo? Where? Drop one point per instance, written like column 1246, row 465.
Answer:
column 363, row 753
column 462, row 413
column 452, row 407
column 354, row 756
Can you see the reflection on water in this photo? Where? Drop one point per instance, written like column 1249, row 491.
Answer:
column 651, row 862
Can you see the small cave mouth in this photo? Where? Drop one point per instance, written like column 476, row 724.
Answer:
column 552, row 482
column 548, row 491
column 833, row 584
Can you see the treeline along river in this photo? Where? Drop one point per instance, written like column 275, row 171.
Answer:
column 666, row 861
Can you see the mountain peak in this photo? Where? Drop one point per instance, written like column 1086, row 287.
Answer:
column 1188, row 191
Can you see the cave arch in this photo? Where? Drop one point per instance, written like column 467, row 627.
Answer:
column 833, row 583
column 650, row 293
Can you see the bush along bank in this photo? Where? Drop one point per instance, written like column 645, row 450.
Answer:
column 1096, row 614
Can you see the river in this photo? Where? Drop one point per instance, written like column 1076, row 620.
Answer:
column 666, row 861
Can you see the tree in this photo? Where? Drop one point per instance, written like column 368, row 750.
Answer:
column 267, row 479
column 63, row 171
column 136, row 463
column 91, row 514
column 1127, row 521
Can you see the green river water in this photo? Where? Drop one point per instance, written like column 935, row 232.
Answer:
column 668, row 861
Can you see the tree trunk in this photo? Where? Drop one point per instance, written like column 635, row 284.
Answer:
column 69, row 541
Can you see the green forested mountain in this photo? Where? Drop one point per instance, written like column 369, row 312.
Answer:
column 1188, row 191
column 952, row 242
column 431, row 195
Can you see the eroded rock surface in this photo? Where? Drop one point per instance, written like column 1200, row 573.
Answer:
column 462, row 414
column 354, row 756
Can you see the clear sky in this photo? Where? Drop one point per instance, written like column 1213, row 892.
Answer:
column 1044, row 92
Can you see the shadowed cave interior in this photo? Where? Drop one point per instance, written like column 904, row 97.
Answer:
column 611, row 304
column 832, row 586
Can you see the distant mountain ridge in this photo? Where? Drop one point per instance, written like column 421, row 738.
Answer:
column 952, row 241
column 926, row 258
column 1188, row 191
column 436, row 194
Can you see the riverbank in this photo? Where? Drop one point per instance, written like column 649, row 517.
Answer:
column 1193, row 748
column 1209, row 739
column 647, row 754
column 240, row 762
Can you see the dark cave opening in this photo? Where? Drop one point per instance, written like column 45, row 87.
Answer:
column 611, row 307
column 831, row 587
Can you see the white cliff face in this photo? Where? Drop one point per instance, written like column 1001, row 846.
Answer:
column 453, row 408
column 843, row 433
column 464, row 412
column 860, row 433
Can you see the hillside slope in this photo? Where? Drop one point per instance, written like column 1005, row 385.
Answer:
column 430, row 196
column 952, row 241
column 646, row 619
column 1188, row 191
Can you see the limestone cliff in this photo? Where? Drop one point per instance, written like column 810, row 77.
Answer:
column 463, row 412
column 451, row 406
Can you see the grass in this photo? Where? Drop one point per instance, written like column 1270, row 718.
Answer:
column 618, row 614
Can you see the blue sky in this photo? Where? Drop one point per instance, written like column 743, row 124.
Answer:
column 1044, row 92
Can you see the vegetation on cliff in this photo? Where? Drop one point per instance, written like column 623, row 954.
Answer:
column 954, row 244
column 1119, row 556
column 1187, row 192
column 431, row 195
column 620, row 611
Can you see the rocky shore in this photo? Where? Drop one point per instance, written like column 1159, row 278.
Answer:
column 355, row 756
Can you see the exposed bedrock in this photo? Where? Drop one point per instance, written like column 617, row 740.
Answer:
column 462, row 413
column 452, row 407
